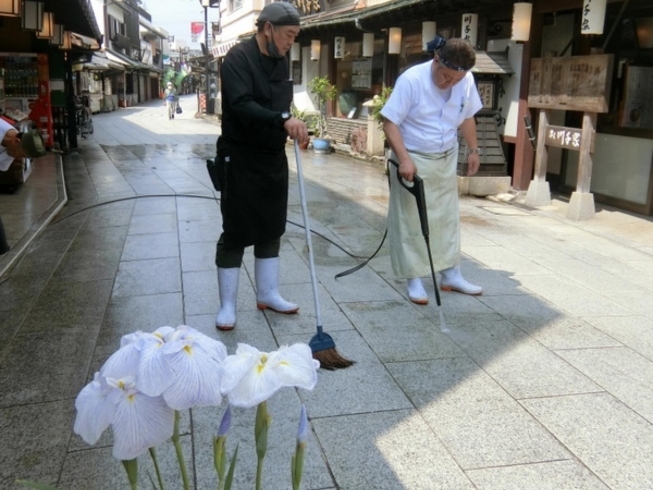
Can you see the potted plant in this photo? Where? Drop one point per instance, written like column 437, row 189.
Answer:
column 378, row 103
column 302, row 116
column 323, row 91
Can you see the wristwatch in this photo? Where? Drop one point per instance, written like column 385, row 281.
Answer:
column 284, row 117
column 473, row 150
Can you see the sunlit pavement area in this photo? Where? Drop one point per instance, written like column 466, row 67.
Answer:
column 544, row 382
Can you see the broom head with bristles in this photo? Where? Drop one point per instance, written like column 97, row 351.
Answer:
column 324, row 350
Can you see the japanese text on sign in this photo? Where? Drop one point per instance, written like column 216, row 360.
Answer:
column 470, row 28
column 562, row 137
column 486, row 92
column 587, row 10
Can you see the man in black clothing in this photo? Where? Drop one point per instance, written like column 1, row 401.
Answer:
column 256, row 122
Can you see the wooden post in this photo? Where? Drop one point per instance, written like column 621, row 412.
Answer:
column 542, row 153
column 539, row 193
column 586, row 150
column 581, row 204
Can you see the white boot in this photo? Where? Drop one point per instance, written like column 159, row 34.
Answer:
column 228, row 287
column 416, row 292
column 266, row 272
column 453, row 280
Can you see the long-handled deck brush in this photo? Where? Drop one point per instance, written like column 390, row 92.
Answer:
column 322, row 345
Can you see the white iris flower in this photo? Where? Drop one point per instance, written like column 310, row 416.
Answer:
column 141, row 385
column 182, row 364
column 197, row 365
column 139, row 422
column 251, row 376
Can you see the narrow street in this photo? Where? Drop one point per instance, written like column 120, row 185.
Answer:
column 542, row 383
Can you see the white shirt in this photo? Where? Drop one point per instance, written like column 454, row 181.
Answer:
column 427, row 117
column 5, row 158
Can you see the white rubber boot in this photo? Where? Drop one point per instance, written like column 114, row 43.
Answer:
column 267, row 287
column 228, row 287
column 416, row 292
column 453, row 280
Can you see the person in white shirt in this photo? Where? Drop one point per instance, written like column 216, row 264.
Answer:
column 171, row 99
column 10, row 147
column 428, row 105
column 14, row 145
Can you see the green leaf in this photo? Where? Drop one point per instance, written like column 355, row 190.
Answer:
column 33, row 484
column 230, row 473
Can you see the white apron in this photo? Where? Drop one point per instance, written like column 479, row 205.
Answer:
column 408, row 252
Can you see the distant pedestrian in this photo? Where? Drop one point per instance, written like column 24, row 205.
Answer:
column 171, row 99
column 256, row 123
column 428, row 105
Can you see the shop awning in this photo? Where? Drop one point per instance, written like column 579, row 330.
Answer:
column 96, row 63
column 337, row 16
column 492, row 64
column 85, row 41
column 76, row 16
column 354, row 13
column 220, row 50
column 120, row 62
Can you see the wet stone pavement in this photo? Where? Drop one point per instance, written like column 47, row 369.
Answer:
column 542, row 383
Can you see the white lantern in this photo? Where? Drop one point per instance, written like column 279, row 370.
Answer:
column 57, row 35
column 428, row 33
column 394, row 41
column 592, row 17
column 67, row 40
column 315, row 49
column 521, row 21
column 338, row 47
column 47, row 30
column 10, row 8
column 32, row 16
column 296, row 52
column 368, row 44
column 469, row 30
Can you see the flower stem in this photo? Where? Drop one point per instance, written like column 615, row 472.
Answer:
column 180, row 454
column 261, row 427
column 156, row 467
column 131, row 467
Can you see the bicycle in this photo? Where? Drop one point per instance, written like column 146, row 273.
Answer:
column 83, row 117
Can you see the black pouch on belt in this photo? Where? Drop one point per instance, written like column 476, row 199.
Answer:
column 4, row 246
column 216, row 168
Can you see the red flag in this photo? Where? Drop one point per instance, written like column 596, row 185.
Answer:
column 196, row 27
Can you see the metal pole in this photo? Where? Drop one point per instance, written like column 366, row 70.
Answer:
column 209, row 108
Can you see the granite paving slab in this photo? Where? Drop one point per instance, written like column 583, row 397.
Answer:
column 612, row 441
column 552, row 475
column 621, row 372
column 476, row 420
column 398, row 332
column 634, row 331
column 390, row 450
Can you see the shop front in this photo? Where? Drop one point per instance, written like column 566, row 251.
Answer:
column 622, row 157
column 363, row 50
column 38, row 46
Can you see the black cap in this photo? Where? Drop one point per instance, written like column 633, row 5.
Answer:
column 279, row 14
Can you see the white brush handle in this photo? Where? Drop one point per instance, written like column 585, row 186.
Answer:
column 307, row 231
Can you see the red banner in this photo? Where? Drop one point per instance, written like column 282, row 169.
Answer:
column 196, row 27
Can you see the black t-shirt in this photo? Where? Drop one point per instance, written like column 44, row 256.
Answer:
column 255, row 90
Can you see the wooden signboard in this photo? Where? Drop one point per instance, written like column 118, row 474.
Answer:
column 563, row 137
column 413, row 44
column 574, row 83
column 361, row 73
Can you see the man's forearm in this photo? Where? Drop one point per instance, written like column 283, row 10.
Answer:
column 468, row 130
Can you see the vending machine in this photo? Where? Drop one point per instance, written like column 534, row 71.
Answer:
column 27, row 92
